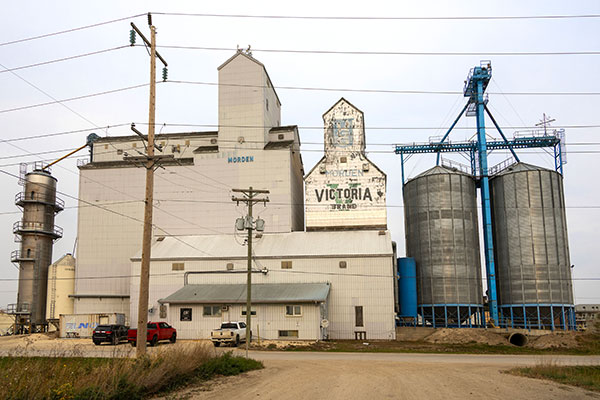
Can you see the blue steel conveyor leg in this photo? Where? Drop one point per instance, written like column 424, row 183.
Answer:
column 450, row 130
column 502, row 134
column 402, row 167
column 486, row 206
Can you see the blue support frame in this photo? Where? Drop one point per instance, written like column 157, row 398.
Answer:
column 540, row 316
column 451, row 315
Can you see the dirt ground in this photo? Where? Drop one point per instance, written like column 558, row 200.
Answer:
column 367, row 379
column 334, row 375
column 493, row 337
column 409, row 340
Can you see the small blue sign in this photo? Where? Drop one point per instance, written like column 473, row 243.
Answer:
column 240, row 159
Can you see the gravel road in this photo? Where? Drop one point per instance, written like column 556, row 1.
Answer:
column 347, row 376
column 344, row 376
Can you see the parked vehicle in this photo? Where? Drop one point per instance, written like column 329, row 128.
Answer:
column 157, row 331
column 230, row 332
column 113, row 334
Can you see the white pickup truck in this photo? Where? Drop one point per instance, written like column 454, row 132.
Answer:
column 230, row 332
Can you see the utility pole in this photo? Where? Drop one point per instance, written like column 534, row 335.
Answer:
column 150, row 163
column 250, row 198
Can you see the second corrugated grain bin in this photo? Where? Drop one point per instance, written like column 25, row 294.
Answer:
column 531, row 248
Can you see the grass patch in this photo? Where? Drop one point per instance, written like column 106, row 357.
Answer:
column 587, row 377
column 114, row 378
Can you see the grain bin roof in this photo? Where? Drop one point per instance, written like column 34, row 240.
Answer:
column 275, row 245
column 438, row 169
column 275, row 293
column 520, row 167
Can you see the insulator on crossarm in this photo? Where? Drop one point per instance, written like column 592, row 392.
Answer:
column 132, row 37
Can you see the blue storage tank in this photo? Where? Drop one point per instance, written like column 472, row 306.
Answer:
column 407, row 290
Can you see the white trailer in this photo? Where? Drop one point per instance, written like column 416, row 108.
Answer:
column 83, row 325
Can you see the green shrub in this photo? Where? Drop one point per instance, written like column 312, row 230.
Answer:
column 227, row 365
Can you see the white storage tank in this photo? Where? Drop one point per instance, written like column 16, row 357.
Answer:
column 61, row 285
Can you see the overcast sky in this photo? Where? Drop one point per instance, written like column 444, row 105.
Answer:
column 197, row 104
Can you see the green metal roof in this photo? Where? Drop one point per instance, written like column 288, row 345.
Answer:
column 261, row 293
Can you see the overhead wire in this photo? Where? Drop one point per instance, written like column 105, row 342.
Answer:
column 396, row 53
column 64, row 59
column 86, row 96
column 289, row 271
column 389, row 91
column 116, row 213
column 122, row 89
column 45, row 35
column 61, row 102
column 384, row 18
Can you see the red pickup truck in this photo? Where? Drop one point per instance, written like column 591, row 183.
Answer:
column 156, row 331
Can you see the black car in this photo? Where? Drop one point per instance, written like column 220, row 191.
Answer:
column 113, row 334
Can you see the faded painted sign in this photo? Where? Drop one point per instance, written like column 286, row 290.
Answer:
column 345, row 189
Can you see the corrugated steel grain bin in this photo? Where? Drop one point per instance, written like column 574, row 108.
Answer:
column 531, row 245
column 442, row 236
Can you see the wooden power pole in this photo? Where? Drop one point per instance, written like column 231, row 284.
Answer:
column 250, row 198
column 150, row 163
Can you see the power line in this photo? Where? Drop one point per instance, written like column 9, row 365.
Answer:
column 117, row 213
column 83, row 206
column 390, row 152
column 431, row 92
column 398, row 53
column 389, row 91
column 97, row 153
column 384, row 18
column 289, row 271
column 71, row 98
column 45, row 135
column 71, row 30
column 321, row 127
column 64, row 59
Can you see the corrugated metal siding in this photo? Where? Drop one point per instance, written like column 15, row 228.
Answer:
column 91, row 306
column 261, row 293
column 530, row 233
column 107, row 241
column 294, row 244
column 367, row 282
column 442, row 235
column 267, row 322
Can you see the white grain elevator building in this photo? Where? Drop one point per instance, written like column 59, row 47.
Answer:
column 335, row 280
column 192, row 192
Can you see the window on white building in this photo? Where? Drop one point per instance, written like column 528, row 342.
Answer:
column 293, row 311
column 286, row 265
column 185, row 314
column 211, row 311
column 288, row 334
column 358, row 316
column 178, row 266
column 253, row 312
